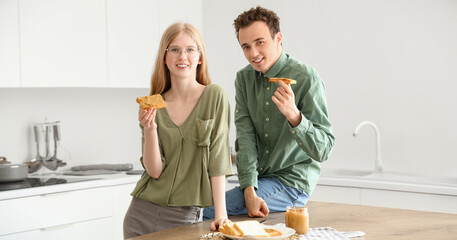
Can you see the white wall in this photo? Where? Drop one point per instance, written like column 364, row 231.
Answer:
column 390, row 62
column 98, row 125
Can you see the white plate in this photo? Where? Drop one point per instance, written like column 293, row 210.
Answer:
column 286, row 232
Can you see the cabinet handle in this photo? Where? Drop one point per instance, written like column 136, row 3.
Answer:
column 57, row 194
column 56, row 227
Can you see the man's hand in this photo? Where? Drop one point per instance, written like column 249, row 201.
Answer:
column 255, row 205
column 284, row 98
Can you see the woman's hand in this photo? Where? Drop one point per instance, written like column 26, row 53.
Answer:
column 151, row 153
column 147, row 117
column 218, row 222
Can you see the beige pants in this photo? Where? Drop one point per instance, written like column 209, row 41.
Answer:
column 144, row 217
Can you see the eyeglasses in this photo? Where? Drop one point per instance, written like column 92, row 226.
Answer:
column 190, row 51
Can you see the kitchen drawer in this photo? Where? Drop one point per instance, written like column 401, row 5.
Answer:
column 346, row 195
column 35, row 235
column 22, row 214
column 39, row 212
column 76, row 206
column 409, row 200
column 88, row 230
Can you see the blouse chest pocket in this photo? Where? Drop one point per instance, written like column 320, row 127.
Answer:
column 203, row 134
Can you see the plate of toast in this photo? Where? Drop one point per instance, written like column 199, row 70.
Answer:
column 255, row 231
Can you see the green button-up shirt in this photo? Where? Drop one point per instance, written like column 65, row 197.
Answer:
column 266, row 144
column 191, row 153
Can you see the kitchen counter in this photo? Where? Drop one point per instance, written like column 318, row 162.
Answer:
column 376, row 222
column 93, row 181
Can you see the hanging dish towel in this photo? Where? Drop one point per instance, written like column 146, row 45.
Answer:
column 111, row 167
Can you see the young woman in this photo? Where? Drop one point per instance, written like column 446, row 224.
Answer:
column 186, row 151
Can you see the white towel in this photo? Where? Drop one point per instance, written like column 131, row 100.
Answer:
column 328, row 233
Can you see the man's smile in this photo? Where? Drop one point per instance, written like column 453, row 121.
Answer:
column 258, row 60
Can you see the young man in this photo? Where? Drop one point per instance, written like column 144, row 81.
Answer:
column 283, row 131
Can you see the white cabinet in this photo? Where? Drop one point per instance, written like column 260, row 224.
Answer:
column 86, row 43
column 20, row 215
column 88, row 230
column 134, row 32
column 122, row 203
column 181, row 11
column 63, row 43
column 133, row 39
column 347, row 195
column 95, row 213
column 9, row 44
column 385, row 198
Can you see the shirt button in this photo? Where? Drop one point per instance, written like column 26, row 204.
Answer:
column 267, row 119
column 268, row 88
column 267, row 103
column 293, row 131
column 261, row 169
column 267, row 151
column 299, row 143
column 266, row 134
column 236, row 111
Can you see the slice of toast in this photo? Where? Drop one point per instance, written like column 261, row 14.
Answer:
column 251, row 228
column 154, row 101
column 229, row 229
column 285, row 80
column 247, row 228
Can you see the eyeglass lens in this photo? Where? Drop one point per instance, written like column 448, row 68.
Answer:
column 190, row 51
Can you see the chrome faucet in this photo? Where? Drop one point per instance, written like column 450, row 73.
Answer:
column 378, row 162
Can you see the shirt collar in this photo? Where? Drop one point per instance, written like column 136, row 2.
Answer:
column 276, row 68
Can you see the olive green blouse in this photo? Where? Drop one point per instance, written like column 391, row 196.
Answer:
column 191, row 153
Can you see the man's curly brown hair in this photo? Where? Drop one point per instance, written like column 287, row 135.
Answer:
column 257, row 14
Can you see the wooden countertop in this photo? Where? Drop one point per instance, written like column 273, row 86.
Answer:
column 376, row 222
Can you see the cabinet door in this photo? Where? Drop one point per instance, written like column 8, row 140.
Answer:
column 133, row 39
column 89, row 230
column 20, row 215
column 95, row 213
column 35, row 235
column 9, row 44
column 63, row 43
column 336, row 194
column 77, row 206
column 122, row 203
column 181, row 11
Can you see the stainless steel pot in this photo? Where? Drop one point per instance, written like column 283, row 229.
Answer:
column 10, row 172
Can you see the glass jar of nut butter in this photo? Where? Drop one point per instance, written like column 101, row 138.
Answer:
column 297, row 218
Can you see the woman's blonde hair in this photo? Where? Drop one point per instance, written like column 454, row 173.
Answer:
column 160, row 80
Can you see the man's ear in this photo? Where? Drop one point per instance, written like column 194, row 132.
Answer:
column 278, row 38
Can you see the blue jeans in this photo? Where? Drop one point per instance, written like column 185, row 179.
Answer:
column 276, row 195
